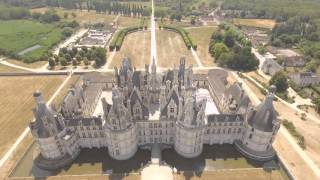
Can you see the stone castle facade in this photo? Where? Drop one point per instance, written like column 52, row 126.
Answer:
column 135, row 109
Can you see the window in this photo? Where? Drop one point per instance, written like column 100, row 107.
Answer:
column 117, row 152
column 208, row 131
column 172, row 110
column 250, row 136
column 229, row 130
column 239, row 130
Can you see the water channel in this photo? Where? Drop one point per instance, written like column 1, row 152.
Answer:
column 97, row 161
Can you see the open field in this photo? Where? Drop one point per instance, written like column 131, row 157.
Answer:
column 125, row 21
column 17, row 102
column 136, row 46
column 82, row 17
column 237, row 174
column 259, row 23
column 18, row 35
column 201, row 36
column 33, row 65
column 7, row 69
column 170, row 48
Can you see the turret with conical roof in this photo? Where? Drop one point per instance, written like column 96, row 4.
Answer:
column 261, row 127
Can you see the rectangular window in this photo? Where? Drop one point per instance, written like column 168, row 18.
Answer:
column 172, row 110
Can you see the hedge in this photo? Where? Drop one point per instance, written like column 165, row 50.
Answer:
column 118, row 38
column 184, row 34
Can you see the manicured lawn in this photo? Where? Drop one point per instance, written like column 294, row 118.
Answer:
column 136, row 46
column 170, row 48
column 201, row 36
column 259, row 23
column 18, row 35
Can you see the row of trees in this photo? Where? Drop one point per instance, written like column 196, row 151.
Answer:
column 99, row 6
column 11, row 13
column 75, row 56
column 229, row 52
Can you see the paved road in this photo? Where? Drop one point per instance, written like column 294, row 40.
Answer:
column 153, row 38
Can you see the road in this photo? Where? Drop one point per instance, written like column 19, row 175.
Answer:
column 153, row 37
column 26, row 131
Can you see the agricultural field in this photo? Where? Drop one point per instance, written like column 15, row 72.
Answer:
column 258, row 23
column 201, row 37
column 28, row 38
column 170, row 48
column 137, row 47
column 17, row 102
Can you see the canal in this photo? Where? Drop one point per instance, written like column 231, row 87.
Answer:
column 97, row 161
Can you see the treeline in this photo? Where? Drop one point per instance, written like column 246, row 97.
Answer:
column 118, row 38
column 231, row 49
column 183, row 33
column 110, row 7
column 281, row 10
column 75, row 56
column 11, row 13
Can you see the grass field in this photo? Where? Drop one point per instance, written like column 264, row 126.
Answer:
column 33, row 65
column 17, row 102
column 18, row 35
column 7, row 69
column 259, row 23
column 136, row 46
column 201, row 36
column 124, row 21
column 170, row 48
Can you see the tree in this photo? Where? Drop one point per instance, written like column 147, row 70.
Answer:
column 226, row 59
column 228, row 39
column 74, row 62
column 312, row 66
column 63, row 61
column 262, row 50
column 65, row 15
column 193, row 21
column 51, row 62
column 78, row 58
column 219, row 48
column 100, row 56
column 86, row 62
column 73, row 15
column 280, row 80
column 316, row 102
column 67, row 32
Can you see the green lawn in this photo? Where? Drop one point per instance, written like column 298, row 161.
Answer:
column 17, row 35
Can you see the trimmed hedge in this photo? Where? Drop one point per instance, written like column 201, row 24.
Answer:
column 118, row 38
column 184, row 34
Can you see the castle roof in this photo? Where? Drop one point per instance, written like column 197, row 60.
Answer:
column 263, row 115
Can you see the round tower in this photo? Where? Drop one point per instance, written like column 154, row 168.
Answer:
column 120, row 130
column 190, row 129
column 261, row 127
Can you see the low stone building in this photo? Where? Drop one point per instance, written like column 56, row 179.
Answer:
column 305, row 79
column 271, row 67
column 176, row 108
column 291, row 58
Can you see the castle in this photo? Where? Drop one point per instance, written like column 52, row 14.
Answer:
column 135, row 109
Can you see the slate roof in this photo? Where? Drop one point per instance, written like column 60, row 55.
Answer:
column 217, row 78
column 71, row 122
column 134, row 97
column 225, row 118
column 262, row 116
